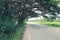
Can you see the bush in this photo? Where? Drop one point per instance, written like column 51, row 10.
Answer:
column 10, row 30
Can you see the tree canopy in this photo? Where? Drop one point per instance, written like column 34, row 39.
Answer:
column 14, row 12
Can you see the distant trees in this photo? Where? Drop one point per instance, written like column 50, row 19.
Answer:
column 52, row 10
column 49, row 7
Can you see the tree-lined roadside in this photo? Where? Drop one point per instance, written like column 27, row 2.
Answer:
column 55, row 23
column 14, row 14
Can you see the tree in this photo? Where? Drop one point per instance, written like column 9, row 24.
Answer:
column 12, row 11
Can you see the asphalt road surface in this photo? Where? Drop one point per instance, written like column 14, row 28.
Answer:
column 41, row 32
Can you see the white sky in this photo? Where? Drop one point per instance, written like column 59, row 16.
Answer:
column 58, row 5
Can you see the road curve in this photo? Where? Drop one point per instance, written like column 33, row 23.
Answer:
column 40, row 32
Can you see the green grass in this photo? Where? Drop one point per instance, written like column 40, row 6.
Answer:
column 13, row 36
column 55, row 23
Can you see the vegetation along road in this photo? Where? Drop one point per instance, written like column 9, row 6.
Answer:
column 41, row 32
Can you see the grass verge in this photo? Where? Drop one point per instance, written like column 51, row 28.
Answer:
column 13, row 36
column 55, row 23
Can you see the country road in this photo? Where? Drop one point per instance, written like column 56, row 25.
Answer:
column 40, row 32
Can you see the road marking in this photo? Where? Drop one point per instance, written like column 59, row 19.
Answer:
column 28, row 34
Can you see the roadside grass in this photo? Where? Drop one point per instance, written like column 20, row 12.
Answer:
column 15, row 35
column 55, row 23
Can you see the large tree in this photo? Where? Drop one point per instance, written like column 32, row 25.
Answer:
column 13, row 13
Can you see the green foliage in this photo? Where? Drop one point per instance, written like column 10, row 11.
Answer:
column 11, row 32
column 55, row 1
column 11, row 19
column 14, row 12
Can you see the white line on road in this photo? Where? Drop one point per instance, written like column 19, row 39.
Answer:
column 28, row 34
